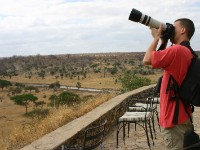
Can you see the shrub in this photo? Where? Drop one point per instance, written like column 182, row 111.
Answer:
column 130, row 82
column 69, row 98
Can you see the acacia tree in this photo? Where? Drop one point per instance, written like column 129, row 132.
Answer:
column 64, row 98
column 30, row 88
column 24, row 99
column 54, row 100
column 4, row 83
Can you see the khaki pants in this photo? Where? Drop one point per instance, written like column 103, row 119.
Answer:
column 173, row 137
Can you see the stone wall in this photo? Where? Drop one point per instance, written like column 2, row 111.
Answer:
column 72, row 133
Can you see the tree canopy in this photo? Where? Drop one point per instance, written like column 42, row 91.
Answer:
column 24, row 99
column 4, row 83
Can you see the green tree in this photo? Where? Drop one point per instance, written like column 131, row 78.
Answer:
column 54, row 100
column 4, row 83
column 69, row 98
column 24, row 99
column 130, row 82
column 30, row 88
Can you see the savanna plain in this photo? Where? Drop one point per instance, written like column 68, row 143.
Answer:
column 48, row 78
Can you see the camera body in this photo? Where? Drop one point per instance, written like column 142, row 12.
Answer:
column 168, row 28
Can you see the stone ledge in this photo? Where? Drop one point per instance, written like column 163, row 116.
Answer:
column 61, row 135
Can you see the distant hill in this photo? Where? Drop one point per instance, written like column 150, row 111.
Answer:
column 28, row 64
column 73, row 64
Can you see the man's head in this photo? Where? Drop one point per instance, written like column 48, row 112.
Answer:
column 184, row 30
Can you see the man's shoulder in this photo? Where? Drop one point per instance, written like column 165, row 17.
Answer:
column 180, row 49
column 178, row 46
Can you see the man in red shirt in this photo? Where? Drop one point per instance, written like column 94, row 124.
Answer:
column 175, row 61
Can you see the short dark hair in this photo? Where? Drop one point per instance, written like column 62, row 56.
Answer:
column 189, row 26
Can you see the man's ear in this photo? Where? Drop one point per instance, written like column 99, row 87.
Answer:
column 183, row 30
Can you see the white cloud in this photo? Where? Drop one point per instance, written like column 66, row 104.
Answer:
column 30, row 27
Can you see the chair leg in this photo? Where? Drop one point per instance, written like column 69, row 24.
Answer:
column 128, row 128
column 149, row 122
column 117, row 134
column 124, row 132
column 158, row 119
column 135, row 126
column 101, row 146
column 153, row 122
column 146, row 130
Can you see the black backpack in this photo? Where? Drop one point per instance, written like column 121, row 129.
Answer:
column 189, row 93
column 189, row 90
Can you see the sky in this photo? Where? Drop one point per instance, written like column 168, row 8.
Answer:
column 51, row 27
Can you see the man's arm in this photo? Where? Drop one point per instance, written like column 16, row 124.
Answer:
column 152, row 47
column 156, row 33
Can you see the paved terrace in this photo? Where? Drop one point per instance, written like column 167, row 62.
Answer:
column 72, row 133
column 137, row 139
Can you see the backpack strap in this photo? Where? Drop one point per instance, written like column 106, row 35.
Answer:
column 173, row 85
column 187, row 44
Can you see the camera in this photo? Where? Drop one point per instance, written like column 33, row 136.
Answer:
column 168, row 29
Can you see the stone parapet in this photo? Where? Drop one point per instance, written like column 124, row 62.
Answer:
column 72, row 132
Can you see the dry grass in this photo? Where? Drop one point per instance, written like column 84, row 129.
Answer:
column 23, row 135
column 92, row 81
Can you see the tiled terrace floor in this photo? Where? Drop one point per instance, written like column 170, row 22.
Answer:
column 137, row 139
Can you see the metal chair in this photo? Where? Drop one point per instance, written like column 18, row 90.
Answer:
column 141, row 107
column 153, row 105
column 93, row 138
column 141, row 118
column 155, row 101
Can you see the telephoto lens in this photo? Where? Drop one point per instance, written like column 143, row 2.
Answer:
column 168, row 29
column 137, row 16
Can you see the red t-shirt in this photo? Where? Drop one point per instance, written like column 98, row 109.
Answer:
column 175, row 60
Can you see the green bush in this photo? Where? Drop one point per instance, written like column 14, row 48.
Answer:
column 54, row 101
column 69, row 98
column 130, row 82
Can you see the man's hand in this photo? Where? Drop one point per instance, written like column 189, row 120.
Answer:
column 156, row 33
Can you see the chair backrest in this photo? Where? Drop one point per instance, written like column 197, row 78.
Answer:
column 93, row 137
